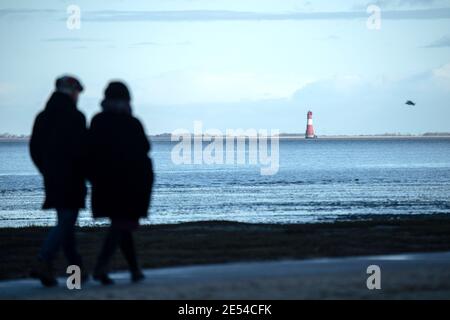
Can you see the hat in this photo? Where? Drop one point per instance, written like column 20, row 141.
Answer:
column 117, row 90
column 68, row 83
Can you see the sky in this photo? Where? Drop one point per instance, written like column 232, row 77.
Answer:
column 232, row 64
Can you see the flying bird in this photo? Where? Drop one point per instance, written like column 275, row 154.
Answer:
column 410, row 103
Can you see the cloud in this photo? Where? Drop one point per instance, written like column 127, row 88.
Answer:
column 146, row 43
column 332, row 37
column 341, row 105
column 360, row 105
column 217, row 15
column 224, row 15
column 443, row 71
column 153, row 43
column 441, row 76
column 389, row 4
column 440, row 43
column 73, row 39
column 15, row 12
column 414, row 2
column 205, row 86
column 5, row 88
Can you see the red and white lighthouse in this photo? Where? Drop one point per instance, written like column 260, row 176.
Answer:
column 309, row 127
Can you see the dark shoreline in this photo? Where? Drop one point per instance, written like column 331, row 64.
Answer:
column 219, row 242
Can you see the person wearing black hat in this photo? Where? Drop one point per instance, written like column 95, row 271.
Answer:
column 57, row 149
column 121, row 175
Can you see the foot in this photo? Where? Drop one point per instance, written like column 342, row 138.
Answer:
column 137, row 276
column 44, row 272
column 103, row 278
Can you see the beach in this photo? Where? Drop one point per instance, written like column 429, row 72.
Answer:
column 229, row 260
column 212, row 242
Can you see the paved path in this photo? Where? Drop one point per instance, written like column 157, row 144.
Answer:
column 407, row 276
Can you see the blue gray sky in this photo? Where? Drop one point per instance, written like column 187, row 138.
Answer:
column 235, row 63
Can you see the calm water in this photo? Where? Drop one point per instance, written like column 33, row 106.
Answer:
column 317, row 180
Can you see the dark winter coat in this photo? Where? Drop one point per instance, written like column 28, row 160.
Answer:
column 119, row 167
column 57, row 148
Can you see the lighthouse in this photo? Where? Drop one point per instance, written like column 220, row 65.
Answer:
column 309, row 127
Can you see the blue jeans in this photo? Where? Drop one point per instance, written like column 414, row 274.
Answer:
column 63, row 234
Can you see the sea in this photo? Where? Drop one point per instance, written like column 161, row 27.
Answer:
column 319, row 180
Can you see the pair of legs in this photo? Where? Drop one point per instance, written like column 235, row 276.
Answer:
column 62, row 235
column 120, row 234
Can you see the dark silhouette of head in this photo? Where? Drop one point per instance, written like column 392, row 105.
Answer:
column 117, row 90
column 117, row 98
column 69, row 85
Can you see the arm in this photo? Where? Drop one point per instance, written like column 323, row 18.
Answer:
column 143, row 140
column 37, row 143
column 83, row 148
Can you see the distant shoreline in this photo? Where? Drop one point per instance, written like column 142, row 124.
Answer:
column 289, row 137
column 364, row 137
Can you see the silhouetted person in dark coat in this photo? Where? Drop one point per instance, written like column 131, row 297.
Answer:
column 57, row 149
column 121, row 175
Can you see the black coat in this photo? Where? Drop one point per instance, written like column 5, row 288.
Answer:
column 57, row 149
column 120, row 170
